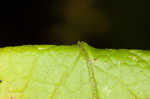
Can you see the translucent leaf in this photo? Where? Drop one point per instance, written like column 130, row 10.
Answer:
column 73, row 72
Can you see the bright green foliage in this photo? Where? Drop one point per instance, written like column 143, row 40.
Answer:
column 73, row 72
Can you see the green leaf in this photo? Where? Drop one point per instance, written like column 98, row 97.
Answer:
column 73, row 72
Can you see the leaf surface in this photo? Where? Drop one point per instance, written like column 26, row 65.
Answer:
column 73, row 72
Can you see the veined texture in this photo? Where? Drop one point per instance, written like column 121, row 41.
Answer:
column 73, row 72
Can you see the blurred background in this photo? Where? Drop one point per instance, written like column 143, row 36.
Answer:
column 101, row 23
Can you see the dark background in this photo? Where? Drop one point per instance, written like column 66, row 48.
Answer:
column 101, row 23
